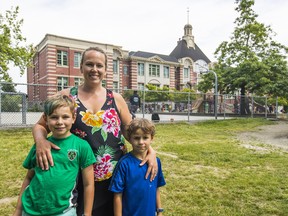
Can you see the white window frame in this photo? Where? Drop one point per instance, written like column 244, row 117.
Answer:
column 186, row 73
column 62, row 83
column 115, row 86
column 166, row 71
column 77, row 81
column 140, row 86
column 140, row 69
column 115, row 66
column 62, row 58
column 77, row 59
column 125, row 69
column 154, row 70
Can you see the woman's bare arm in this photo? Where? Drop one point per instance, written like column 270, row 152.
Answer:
column 152, row 164
column 43, row 146
column 126, row 118
column 125, row 115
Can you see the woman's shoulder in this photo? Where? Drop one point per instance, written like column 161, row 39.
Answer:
column 118, row 97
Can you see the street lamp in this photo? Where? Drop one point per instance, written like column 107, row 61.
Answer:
column 216, row 88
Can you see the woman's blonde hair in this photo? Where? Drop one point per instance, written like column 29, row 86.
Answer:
column 97, row 49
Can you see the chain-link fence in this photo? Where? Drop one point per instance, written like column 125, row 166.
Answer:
column 21, row 109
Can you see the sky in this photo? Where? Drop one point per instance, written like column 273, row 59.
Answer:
column 151, row 25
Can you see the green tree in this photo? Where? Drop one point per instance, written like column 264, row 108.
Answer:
column 12, row 49
column 7, row 87
column 251, row 61
column 183, row 95
column 9, row 100
column 158, row 94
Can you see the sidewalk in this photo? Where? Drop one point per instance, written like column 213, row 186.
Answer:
column 170, row 118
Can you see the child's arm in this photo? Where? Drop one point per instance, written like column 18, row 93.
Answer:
column 26, row 182
column 158, row 202
column 117, row 204
column 88, row 185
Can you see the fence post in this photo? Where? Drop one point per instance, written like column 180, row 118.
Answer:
column 188, row 106
column 143, row 110
column 24, row 107
column 224, row 107
column 252, row 106
column 276, row 111
column 0, row 105
column 266, row 107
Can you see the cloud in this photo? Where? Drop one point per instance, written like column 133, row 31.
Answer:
column 152, row 26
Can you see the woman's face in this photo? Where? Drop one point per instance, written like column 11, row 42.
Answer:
column 93, row 67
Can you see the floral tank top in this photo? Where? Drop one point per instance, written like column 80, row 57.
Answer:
column 102, row 130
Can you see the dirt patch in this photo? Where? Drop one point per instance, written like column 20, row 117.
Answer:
column 274, row 135
column 8, row 200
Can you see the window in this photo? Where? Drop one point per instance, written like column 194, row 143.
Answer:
column 186, row 72
column 125, row 70
column 115, row 66
column 115, row 86
column 140, row 86
column 77, row 81
column 166, row 72
column 62, row 58
column 104, row 83
column 140, row 69
column 154, row 70
column 77, row 59
column 62, row 83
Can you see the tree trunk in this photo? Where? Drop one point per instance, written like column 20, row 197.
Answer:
column 244, row 105
column 242, row 99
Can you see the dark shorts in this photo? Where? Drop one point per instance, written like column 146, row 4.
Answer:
column 103, row 200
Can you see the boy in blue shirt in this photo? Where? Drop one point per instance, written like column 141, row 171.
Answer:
column 133, row 194
column 51, row 192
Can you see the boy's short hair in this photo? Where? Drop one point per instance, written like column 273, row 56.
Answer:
column 141, row 123
column 57, row 101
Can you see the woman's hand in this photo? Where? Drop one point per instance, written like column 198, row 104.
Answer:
column 43, row 146
column 43, row 154
column 152, row 164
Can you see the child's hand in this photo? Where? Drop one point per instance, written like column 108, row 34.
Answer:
column 18, row 212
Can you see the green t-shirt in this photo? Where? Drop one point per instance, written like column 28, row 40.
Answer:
column 51, row 191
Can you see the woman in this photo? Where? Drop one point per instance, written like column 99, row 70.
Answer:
column 102, row 118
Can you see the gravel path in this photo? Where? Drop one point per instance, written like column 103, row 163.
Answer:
column 275, row 135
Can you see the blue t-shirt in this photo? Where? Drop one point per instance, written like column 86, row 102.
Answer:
column 139, row 194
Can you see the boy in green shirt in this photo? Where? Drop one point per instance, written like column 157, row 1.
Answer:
column 51, row 192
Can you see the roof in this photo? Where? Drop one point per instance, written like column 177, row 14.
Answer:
column 148, row 55
column 182, row 51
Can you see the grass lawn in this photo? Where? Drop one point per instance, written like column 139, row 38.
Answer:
column 206, row 169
